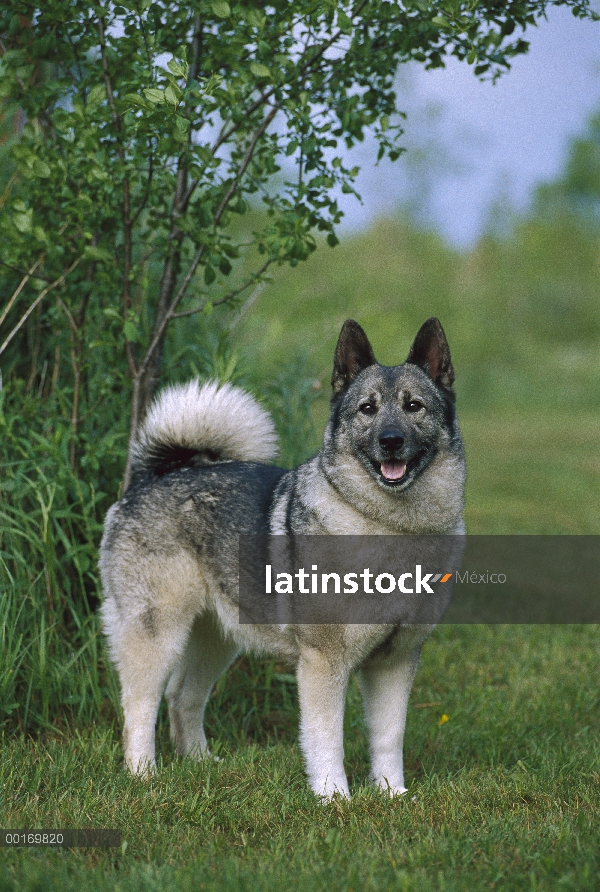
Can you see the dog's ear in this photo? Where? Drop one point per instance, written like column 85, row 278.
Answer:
column 352, row 354
column 431, row 353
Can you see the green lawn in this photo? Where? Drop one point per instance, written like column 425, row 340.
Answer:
column 503, row 795
column 534, row 472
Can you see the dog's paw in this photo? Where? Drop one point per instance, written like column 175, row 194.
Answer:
column 327, row 789
column 142, row 768
column 199, row 752
column 390, row 788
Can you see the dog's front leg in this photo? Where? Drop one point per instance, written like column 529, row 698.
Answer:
column 322, row 694
column 386, row 684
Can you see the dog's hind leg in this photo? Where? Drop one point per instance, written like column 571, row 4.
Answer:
column 145, row 647
column 207, row 654
column 144, row 668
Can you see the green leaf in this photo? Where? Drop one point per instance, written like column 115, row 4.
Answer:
column 344, row 23
column 182, row 124
column 40, row 168
column 91, row 252
column 134, row 99
column 186, row 224
column 220, row 8
column 254, row 18
column 131, row 332
column 171, row 96
column 203, row 214
column 96, row 96
column 259, row 70
column 177, row 68
column 23, row 221
column 209, row 274
column 154, row 95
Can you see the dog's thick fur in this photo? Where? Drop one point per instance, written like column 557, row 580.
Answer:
column 392, row 462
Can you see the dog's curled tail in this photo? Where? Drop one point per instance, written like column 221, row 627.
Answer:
column 201, row 424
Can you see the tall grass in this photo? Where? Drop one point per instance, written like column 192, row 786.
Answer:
column 51, row 663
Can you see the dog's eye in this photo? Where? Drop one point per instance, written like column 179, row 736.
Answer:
column 367, row 408
column 414, row 406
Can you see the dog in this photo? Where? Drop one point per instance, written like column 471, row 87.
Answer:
column 392, row 462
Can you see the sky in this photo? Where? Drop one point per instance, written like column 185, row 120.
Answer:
column 472, row 145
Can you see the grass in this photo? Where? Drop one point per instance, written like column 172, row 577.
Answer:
column 504, row 794
column 532, row 473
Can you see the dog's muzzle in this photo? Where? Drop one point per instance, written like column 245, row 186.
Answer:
column 391, row 441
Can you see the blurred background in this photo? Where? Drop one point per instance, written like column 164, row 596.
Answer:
column 477, row 151
column 491, row 221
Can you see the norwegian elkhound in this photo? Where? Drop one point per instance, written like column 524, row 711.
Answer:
column 392, row 462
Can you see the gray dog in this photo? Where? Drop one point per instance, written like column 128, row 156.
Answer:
column 392, row 463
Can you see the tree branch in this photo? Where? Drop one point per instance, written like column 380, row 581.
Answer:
column 38, row 300
column 76, row 326
column 7, row 188
column 15, row 269
column 195, row 262
column 227, row 297
column 226, row 132
column 194, row 265
column 20, row 286
column 26, row 277
column 144, row 200
column 126, row 211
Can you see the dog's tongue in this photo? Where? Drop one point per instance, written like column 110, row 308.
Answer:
column 393, row 470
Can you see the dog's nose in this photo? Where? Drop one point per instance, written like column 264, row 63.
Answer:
column 391, row 439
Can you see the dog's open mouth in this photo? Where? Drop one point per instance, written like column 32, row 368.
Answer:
column 394, row 472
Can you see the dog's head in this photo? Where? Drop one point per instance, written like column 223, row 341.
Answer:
column 392, row 419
